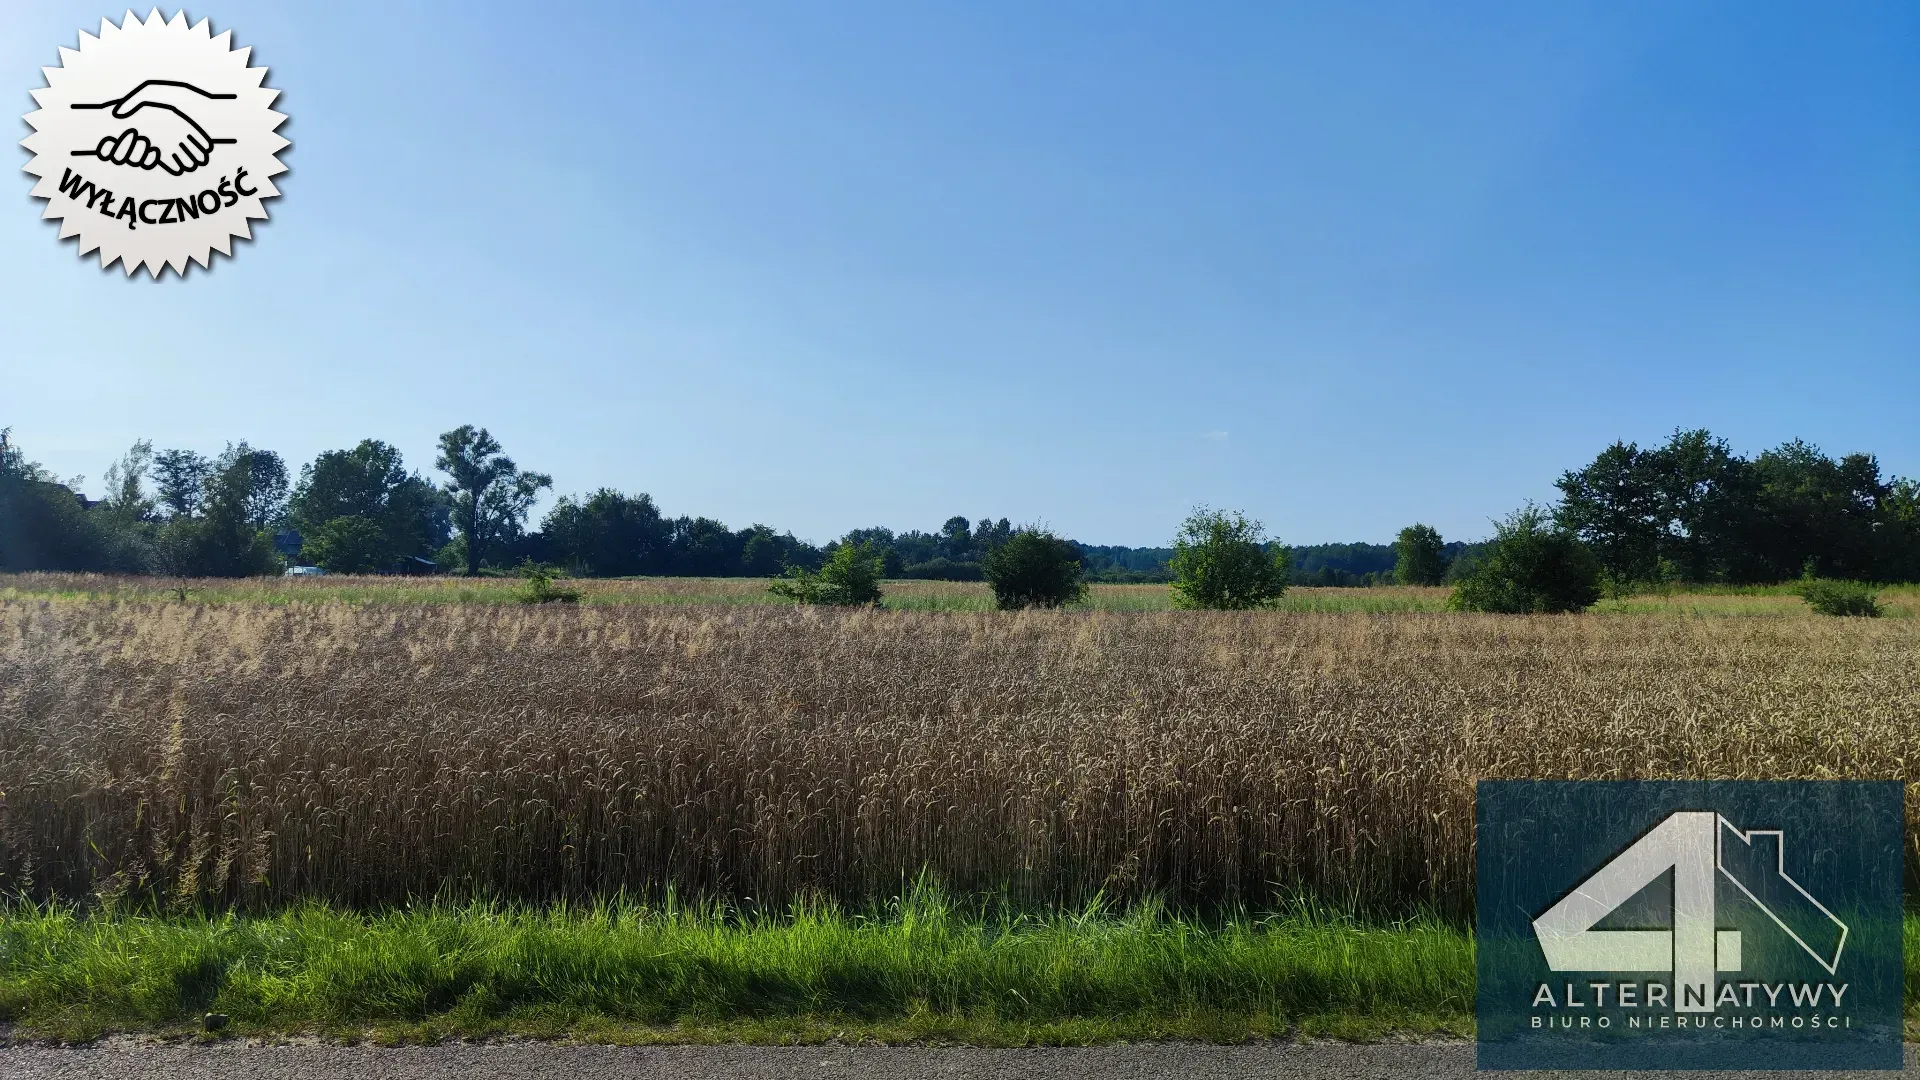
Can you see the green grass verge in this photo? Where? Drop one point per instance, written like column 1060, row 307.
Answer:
column 919, row 972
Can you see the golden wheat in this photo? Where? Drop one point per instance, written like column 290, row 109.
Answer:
column 249, row 753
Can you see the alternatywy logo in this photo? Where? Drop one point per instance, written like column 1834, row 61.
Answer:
column 155, row 143
column 1639, row 925
column 1692, row 846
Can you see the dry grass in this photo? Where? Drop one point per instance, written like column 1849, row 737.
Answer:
column 646, row 592
column 251, row 753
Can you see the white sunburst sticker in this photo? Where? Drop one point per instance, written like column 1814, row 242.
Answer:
column 155, row 143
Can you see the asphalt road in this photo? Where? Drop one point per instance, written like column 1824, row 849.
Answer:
column 526, row 1061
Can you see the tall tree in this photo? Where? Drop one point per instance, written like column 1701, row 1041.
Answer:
column 228, row 537
column 1617, row 505
column 124, row 519
column 1898, row 555
column 180, row 477
column 956, row 539
column 42, row 523
column 258, row 479
column 370, row 482
column 126, row 480
column 1705, row 503
column 490, row 495
column 764, row 552
column 1810, row 510
column 990, row 534
column 608, row 534
column 702, row 547
column 1420, row 556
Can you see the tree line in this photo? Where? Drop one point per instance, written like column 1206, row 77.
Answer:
column 1688, row 510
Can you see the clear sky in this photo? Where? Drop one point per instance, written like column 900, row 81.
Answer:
column 827, row 265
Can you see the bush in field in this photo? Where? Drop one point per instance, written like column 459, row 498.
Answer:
column 1034, row 568
column 1840, row 597
column 1532, row 565
column 850, row 578
column 540, row 588
column 1220, row 560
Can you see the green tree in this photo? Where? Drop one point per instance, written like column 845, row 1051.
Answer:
column 124, row 519
column 229, row 537
column 989, row 534
column 490, row 495
column 1420, row 556
column 1532, row 564
column 849, row 578
column 1898, row 557
column 764, row 552
column 1706, row 508
column 956, row 539
column 1221, row 560
column 43, row 525
column 349, row 544
column 370, row 482
column 1807, row 507
column 126, row 483
column 262, row 490
column 608, row 534
column 1620, row 506
column 180, row 480
column 1033, row 568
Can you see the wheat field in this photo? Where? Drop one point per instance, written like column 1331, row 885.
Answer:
column 248, row 754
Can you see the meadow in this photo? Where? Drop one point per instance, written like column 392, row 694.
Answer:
column 900, row 595
column 173, row 751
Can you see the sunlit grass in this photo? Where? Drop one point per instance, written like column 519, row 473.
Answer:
column 911, row 970
column 1782, row 600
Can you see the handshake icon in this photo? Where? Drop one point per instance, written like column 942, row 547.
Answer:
column 164, row 136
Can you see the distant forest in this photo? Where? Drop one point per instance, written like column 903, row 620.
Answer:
column 1687, row 510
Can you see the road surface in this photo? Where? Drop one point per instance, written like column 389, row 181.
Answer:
column 524, row 1061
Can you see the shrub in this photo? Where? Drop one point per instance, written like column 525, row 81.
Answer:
column 1034, row 568
column 1840, row 598
column 1531, row 565
column 1220, row 560
column 849, row 578
column 540, row 588
column 941, row 568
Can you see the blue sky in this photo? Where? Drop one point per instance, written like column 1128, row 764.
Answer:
column 822, row 266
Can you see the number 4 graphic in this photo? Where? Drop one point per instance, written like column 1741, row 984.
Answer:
column 1688, row 843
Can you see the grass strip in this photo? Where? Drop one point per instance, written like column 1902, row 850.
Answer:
column 920, row 972
column 627, row 973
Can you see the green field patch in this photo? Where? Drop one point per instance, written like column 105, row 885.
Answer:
column 919, row 970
